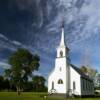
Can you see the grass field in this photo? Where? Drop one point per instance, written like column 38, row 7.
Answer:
column 34, row 96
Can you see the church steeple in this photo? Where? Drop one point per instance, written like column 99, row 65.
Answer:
column 62, row 50
column 62, row 43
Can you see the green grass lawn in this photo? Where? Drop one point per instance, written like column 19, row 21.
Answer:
column 34, row 96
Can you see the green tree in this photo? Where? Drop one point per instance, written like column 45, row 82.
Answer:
column 83, row 69
column 23, row 63
column 1, row 82
column 88, row 71
column 39, row 83
column 6, row 84
column 28, row 87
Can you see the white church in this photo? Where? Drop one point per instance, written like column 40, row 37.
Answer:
column 66, row 78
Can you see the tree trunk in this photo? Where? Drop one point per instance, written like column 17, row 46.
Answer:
column 18, row 90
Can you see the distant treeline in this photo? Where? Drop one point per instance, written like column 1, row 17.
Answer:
column 37, row 84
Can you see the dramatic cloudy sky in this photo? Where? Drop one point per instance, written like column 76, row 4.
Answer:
column 36, row 25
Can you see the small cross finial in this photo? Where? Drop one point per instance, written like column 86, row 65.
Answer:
column 62, row 23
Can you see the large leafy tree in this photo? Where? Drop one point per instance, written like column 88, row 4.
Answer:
column 23, row 63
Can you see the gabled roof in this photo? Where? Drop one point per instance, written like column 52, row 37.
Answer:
column 80, row 72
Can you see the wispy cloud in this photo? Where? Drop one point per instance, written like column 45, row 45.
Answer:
column 16, row 43
column 81, row 22
column 81, row 19
column 4, row 65
column 12, row 45
column 7, row 43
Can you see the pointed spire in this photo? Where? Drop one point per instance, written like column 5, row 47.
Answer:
column 62, row 43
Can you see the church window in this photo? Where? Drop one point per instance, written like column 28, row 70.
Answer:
column 61, row 54
column 52, row 85
column 83, row 84
column 60, row 68
column 60, row 81
column 74, row 85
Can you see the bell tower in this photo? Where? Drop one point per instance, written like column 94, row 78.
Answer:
column 61, row 65
column 62, row 50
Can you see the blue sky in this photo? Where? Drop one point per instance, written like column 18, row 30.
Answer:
column 36, row 26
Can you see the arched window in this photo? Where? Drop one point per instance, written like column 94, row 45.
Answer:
column 52, row 85
column 60, row 81
column 61, row 54
column 74, row 85
column 60, row 69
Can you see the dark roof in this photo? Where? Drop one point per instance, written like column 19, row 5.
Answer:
column 81, row 73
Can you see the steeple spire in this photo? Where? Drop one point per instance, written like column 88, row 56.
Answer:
column 62, row 43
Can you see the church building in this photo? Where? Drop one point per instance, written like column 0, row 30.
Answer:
column 66, row 78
